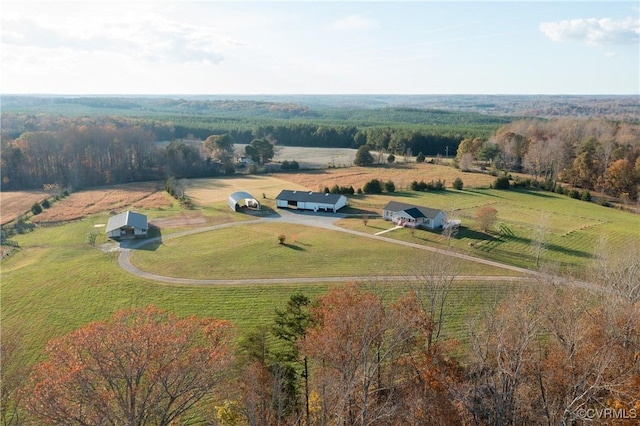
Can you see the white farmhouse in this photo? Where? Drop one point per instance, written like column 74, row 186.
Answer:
column 414, row 216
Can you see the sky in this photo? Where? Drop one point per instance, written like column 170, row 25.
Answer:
column 109, row 47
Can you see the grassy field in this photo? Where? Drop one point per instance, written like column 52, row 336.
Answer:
column 571, row 229
column 57, row 281
column 401, row 174
column 252, row 250
column 14, row 204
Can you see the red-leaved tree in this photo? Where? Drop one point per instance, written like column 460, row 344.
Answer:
column 143, row 366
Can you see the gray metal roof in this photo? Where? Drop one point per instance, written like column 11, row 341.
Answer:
column 241, row 195
column 127, row 219
column 309, row 196
column 412, row 210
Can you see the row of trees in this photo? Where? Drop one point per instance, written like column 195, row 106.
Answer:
column 591, row 154
column 553, row 352
column 82, row 152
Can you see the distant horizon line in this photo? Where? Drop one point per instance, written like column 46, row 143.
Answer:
column 308, row 94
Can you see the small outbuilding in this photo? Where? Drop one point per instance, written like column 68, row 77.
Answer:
column 242, row 199
column 414, row 216
column 309, row 200
column 127, row 225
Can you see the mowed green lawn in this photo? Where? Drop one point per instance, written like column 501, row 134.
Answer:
column 253, row 251
column 58, row 282
column 572, row 229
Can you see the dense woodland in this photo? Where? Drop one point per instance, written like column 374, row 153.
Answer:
column 86, row 148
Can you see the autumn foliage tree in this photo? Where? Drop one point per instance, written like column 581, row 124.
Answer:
column 486, row 217
column 372, row 362
column 142, row 366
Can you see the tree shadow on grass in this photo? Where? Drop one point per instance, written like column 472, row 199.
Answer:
column 293, row 247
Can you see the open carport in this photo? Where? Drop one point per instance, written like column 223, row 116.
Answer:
column 242, row 199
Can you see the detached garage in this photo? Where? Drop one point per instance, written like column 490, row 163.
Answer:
column 241, row 199
column 308, row 200
column 127, row 225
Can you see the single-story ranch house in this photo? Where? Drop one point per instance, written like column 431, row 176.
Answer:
column 414, row 216
column 308, row 200
column 241, row 199
column 127, row 225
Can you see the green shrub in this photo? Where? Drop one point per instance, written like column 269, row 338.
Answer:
column 502, row 182
column 574, row 193
column 458, row 184
column 374, row 186
column 585, row 195
column 46, row 204
column 389, row 186
column 36, row 208
column 391, row 158
column 420, row 158
column 290, row 165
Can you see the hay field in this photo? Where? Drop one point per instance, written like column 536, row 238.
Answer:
column 15, row 203
column 139, row 195
column 209, row 191
column 401, row 174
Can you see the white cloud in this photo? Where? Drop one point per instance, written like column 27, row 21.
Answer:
column 354, row 23
column 594, row 31
column 151, row 38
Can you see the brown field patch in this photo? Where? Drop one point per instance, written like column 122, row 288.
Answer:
column 402, row 175
column 15, row 203
column 214, row 190
column 141, row 195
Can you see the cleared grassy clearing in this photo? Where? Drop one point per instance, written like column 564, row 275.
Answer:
column 15, row 203
column 205, row 192
column 401, row 174
column 253, row 251
column 57, row 283
column 572, row 228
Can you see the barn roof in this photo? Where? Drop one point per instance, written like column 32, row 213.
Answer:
column 127, row 219
column 240, row 195
column 412, row 210
column 309, row 196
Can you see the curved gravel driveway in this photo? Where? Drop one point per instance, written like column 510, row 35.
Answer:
column 318, row 220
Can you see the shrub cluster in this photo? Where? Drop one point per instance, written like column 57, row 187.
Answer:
column 438, row 185
column 336, row 189
column 289, row 165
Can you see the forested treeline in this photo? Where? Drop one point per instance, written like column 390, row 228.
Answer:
column 594, row 154
column 84, row 151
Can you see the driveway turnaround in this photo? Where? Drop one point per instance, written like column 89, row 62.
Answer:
column 318, row 220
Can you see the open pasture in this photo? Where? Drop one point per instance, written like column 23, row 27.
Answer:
column 570, row 230
column 141, row 195
column 401, row 174
column 209, row 191
column 15, row 203
column 57, row 282
column 252, row 251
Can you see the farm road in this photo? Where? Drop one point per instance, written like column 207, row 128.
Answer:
column 318, row 220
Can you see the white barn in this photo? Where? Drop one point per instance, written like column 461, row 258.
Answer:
column 127, row 225
column 241, row 199
column 309, row 200
column 414, row 216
